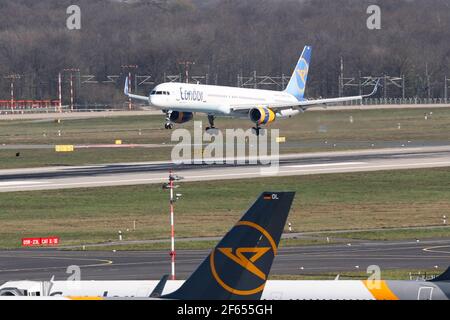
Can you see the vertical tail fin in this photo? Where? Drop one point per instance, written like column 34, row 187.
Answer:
column 239, row 265
column 297, row 83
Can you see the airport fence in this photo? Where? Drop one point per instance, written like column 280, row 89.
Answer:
column 398, row 101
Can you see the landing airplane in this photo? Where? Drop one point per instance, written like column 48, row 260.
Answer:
column 179, row 101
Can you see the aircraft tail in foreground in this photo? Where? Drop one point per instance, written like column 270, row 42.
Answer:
column 238, row 267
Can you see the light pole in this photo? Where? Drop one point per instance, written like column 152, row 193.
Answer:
column 172, row 199
column 71, row 70
column 12, row 77
column 186, row 65
column 59, row 91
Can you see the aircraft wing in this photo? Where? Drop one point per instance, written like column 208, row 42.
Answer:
column 133, row 96
column 305, row 104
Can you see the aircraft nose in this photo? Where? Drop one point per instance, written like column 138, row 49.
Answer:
column 154, row 99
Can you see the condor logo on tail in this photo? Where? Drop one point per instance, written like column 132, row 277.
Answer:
column 243, row 261
column 297, row 83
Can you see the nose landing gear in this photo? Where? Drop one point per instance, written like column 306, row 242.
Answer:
column 169, row 124
column 211, row 123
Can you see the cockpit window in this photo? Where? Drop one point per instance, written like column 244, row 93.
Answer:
column 160, row 92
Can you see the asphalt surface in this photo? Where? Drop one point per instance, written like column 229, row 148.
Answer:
column 148, row 110
column 42, row 264
column 156, row 172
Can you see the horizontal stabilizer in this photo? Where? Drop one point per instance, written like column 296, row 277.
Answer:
column 445, row 276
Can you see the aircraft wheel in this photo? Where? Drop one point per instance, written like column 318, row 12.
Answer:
column 212, row 130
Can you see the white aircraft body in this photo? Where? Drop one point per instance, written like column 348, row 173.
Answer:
column 274, row 289
column 181, row 100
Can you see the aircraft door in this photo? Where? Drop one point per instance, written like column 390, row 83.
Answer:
column 425, row 293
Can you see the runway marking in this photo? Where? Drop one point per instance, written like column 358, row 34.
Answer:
column 104, row 263
column 19, row 183
column 367, row 257
column 324, row 164
column 345, row 251
column 240, row 174
column 432, row 249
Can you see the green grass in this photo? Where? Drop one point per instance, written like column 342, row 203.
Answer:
column 48, row 157
column 389, row 274
column 81, row 131
column 347, row 201
column 307, row 132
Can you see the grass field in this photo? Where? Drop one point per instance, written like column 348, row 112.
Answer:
column 48, row 157
column 312, row 131
column 392, row 274
column 323, row 202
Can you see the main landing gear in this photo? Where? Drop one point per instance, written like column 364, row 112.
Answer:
column 211, row 129
column 256, row 130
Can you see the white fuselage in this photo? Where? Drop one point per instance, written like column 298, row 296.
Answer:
column 213, row 100
column 274, row 289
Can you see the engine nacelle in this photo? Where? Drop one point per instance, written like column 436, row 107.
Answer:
column 262, row 115
column 288, row 113
column 11, row 292
column 181, row 117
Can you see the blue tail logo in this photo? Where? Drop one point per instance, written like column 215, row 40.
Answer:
column 297, row 83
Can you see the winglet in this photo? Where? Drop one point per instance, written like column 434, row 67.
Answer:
column 125, row 89
column 238, row 267
column 375, row 89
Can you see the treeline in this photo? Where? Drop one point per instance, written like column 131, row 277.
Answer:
column 224, row 38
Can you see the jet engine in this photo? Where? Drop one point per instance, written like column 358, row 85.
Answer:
column 181, row 117
column 11, row 292
column 262, row 115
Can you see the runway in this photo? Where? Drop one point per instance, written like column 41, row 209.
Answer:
column 149, row 265
column 115, row 174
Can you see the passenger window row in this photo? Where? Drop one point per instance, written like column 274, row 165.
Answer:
column 160, row 92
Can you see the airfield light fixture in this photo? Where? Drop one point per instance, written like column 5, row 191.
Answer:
column 170, row 186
